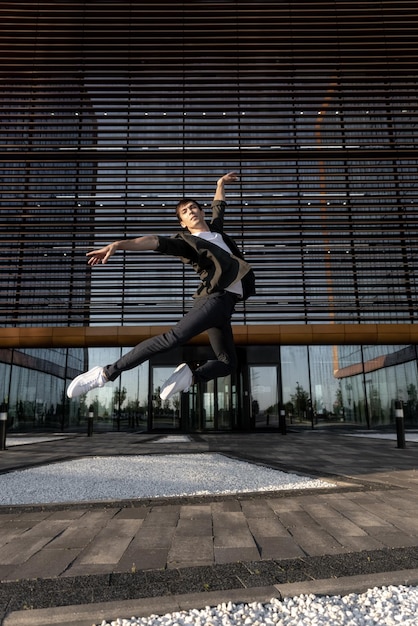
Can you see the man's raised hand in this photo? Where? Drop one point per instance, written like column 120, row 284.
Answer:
column 231, row 177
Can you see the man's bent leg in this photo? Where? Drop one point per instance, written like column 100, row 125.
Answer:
column 222, row 342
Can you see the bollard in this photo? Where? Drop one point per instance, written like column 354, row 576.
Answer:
column 282, row 421
column 90, row 421
column 400, row 425
column 3, row 425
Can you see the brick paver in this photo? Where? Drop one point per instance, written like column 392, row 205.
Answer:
column 378, row 510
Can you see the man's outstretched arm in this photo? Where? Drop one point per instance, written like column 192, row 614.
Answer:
column 231, row 177
column 139, row 244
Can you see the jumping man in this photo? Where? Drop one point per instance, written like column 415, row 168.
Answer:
column 225, row 279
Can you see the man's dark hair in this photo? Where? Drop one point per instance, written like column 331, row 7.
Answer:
column 181, row 204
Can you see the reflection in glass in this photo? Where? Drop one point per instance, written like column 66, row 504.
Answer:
column 165, row 413
column 264, row 396
column 295, row 381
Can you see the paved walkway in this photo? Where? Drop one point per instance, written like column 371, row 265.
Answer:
column 83, row 562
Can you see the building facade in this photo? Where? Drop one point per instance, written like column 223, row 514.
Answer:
column 112, row 112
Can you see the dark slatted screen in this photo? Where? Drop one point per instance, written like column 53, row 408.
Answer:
column 111, row 111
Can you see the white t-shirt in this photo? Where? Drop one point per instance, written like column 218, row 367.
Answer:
column 217, row 239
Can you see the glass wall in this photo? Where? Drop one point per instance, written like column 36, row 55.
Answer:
column 264, row 396
column 35, row 400
column 315, row 386
column 373, row 379
column 120, row 405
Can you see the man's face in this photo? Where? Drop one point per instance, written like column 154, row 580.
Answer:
column 191, row 216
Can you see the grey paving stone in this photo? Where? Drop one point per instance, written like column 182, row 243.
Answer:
column 399, row 518
column 67, row 514
column 283, row 505
column 188, row 551
column 196, row 512
column 267, row 527
column 6, row 572
column 11, row 530
column 47, row 528
column 357, row 544
column 139, row 512
column 309, row 535
column 199, row 527
column 110, row 543
column 278, row 548
column 338, row 526
column 77, row 570
column 21, row 549
column 162, row 516
column 44, row 564
column 232, row 554
column 364, row 519
column 154, row 537
column 396, row 539
column 257, row 509
column 322, row 510
column 231, row 530
column 135, row 558
column 402, row 501
column 74, row 537
column 97, row 518
column 226, row 506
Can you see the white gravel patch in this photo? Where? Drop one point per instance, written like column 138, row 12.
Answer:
column 173, row 439
column 385, row 606
column 144, row 476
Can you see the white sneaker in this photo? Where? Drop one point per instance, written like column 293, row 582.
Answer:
column 84, row 382
column 180, row 380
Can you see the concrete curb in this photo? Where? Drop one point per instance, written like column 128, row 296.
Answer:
column 94, row 614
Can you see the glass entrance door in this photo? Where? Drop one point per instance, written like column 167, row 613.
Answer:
column 211, row 405
column 165, row 414
column 207, row 407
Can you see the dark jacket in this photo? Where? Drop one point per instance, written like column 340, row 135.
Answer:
column 217, row 269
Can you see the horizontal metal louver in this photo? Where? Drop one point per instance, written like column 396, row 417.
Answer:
column 111, row 112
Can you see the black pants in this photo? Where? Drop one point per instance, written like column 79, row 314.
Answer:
column 210, row 313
